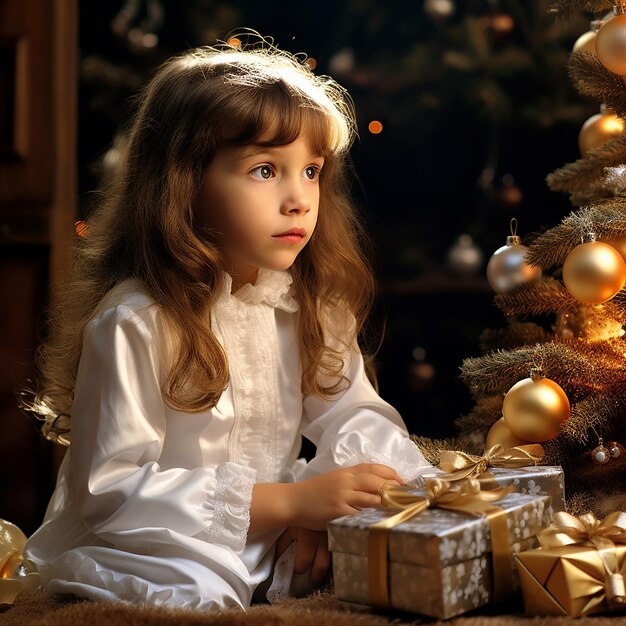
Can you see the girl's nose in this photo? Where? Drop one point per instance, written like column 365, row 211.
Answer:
column 296, row 200
column 299, row 209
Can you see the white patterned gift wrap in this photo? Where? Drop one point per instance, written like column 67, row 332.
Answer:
column 444, row 593
column 535, row 480
column 439, row 561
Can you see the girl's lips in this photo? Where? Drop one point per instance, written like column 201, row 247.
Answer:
column 289, row 238
column 293, row 235
column 293, row 231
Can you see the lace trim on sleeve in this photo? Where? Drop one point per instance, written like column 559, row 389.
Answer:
column 230, row 506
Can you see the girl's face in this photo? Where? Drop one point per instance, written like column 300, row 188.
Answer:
column 261, row 204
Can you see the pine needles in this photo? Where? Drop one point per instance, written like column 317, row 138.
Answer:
column 606, row 219
column 594, row 6
column 579, row 346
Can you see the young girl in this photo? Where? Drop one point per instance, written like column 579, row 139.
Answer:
column 211, row 323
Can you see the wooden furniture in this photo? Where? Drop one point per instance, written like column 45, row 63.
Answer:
column 38, row 86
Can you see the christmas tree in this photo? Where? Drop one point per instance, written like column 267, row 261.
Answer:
column 556, row 374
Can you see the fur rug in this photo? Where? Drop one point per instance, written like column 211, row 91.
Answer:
column 321, row 609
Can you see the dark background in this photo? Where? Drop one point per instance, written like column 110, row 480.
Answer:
column 476, row 108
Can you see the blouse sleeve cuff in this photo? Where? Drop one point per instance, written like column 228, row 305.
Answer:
column 228, row 505
column 408, row 461
column 354, row 448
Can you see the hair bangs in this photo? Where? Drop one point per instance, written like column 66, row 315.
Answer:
column 274, row 116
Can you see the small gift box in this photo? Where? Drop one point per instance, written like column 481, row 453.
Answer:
column 499, row 468
column 578, row 568
column 438, row 556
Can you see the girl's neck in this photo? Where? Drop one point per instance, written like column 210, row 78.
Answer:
column 241, row 279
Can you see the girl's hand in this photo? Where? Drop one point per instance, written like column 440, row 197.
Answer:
column 318, row 500
column 312, row 503
column 312, row 551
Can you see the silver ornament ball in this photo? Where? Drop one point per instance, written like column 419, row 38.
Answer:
column 507, row 268
column 600, row 456
column 465, row 257
column 439, row 9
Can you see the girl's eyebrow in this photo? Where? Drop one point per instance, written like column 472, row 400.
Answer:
column 247, row 154
column 261, row 149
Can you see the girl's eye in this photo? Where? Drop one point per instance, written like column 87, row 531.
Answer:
column 312, row 172
column 262, row 172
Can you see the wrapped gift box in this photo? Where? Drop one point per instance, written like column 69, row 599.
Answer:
column 439, row 561
column 535, row 480
column 568, row 580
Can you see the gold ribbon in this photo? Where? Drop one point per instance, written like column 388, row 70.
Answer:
column 460, row 465
column 16, row 572
column 465, row 497
column 567, row 530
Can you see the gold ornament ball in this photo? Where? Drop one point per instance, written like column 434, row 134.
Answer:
column 535, row 409
column 586, row 42
column 594, row 272
column 611, row 45
column 502, row 434
column 598, row 129
column 619, row 244
column 11, row 564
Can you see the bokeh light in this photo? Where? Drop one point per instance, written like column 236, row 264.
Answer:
column 80, row 228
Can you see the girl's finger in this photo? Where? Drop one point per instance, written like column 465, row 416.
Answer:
column 306, row 552
column 321, row 563
column 384, row 471
column 373, row 484
column 284, row 541
column 362, row 500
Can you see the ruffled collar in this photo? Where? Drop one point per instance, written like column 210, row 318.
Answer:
column 272, row 288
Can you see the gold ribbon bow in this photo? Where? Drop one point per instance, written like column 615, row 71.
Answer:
column 567, row 530
column 465, row 497
column 460, row 465
column 16, row 572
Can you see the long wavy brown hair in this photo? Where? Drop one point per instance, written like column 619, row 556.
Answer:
column 144, row 226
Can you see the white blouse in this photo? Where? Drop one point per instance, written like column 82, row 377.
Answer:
column 153, row 504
